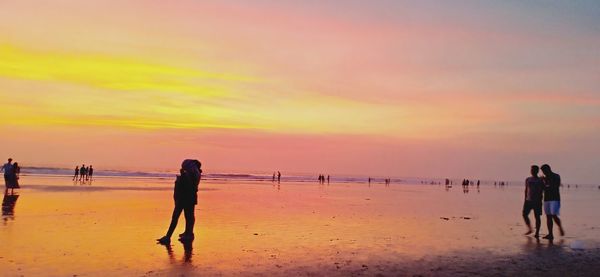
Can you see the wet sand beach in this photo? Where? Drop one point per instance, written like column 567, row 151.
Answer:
column 108, row 228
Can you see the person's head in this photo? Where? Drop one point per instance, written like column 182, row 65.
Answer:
column 546, row 169
column 9, row 160
column 535, row 170
column 16, row 164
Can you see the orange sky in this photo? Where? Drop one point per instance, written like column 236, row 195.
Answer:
column 388, row 88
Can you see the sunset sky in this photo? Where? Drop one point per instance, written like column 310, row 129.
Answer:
column 477, row 89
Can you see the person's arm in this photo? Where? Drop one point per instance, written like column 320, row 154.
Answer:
column 525, row 193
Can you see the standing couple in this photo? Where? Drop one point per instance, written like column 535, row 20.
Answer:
column 185, row 195
column 11, row 174
column 548, row 189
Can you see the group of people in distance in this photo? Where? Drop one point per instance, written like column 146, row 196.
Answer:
column 83, row 173
column 11, row 175
column 278, row 175
column 386, row 181
column 542, row 192
column 322, row 179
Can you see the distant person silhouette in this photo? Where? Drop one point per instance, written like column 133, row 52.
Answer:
column 328, row 179
column 185, row 195
column 278, row 177
column 91, row 172
column 14, row 179
column 552, row 200
column 273, row 177
column 76, row 175
column 7, row 168
column 534, row 187
column 82, row 172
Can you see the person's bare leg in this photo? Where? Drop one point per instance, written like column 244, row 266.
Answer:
column 550, row 225
column 190, row 219
column 527, row 222
column 560, row 228
column 174, row 218
column 538, row 224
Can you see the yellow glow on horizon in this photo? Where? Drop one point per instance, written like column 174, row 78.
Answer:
column 108, row 72
column 58, row 89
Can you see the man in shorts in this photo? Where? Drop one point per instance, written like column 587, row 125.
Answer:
column 8, row 173
column 551, row 200
column 533, row 200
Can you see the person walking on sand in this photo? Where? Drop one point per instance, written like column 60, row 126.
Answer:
column 533, row 200
column 551, row 200
column 76, row 175
column 278, row 177
column 7, row 168
column 185, row 194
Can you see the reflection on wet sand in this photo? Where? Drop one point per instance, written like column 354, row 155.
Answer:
column 257, row 229
column 8, row 206
column 187, row 251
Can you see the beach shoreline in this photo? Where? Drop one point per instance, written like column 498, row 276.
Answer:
column 110, row 227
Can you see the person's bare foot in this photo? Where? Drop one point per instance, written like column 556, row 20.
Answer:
column 562, row 232
column 529, row 232
column 164, row 240
column 187, row 237
column 548, row 237
column 537, row 235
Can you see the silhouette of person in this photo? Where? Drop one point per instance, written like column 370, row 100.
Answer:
column 76, row 175
column 14, row 179
column 185, row 195
column 273, row 177
column 7, row 168
column 91, row 172
column 533, row 200
column 82, row 172
column 278, row 177
column 552, row 200
column 328, row 179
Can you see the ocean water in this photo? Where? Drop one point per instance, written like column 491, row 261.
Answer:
column 268, row 177
column 245, row 177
